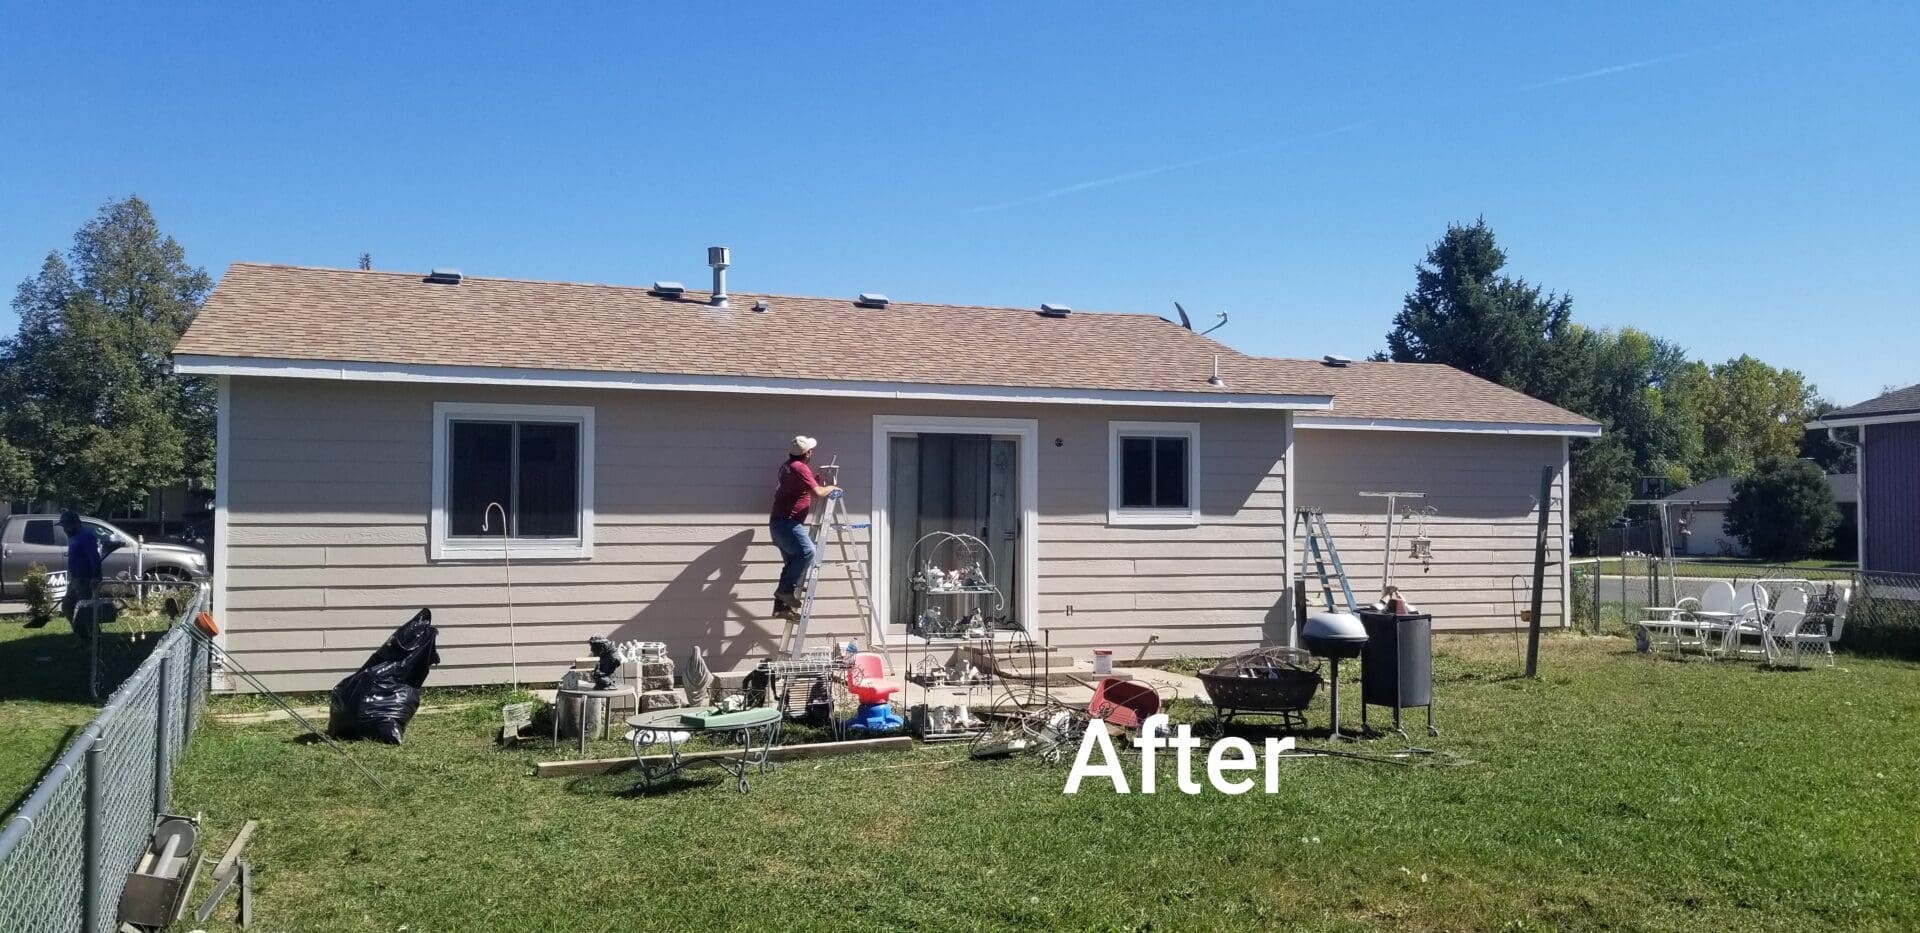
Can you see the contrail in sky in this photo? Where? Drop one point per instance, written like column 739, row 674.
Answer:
column 1616, row 69
column 1163, row 169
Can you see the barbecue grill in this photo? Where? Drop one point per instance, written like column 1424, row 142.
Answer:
column 1334, row 635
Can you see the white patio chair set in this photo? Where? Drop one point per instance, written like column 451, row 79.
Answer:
column 1748, row 621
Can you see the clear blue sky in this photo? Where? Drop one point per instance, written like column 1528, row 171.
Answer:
column 1738, row 180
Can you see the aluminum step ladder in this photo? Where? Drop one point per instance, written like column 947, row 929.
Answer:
column 831, row 517
column 1316, row 549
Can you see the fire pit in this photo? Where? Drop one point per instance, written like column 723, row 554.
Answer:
column 1266, row 681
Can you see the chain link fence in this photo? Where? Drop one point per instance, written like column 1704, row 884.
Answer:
column 1612, row 594
column 143, row 613
column 65, row 855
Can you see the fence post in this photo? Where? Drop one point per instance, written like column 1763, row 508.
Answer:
column 95, row 839
column 1596, row 597
column 163, row 736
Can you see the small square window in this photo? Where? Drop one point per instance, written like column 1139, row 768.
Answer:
column 1154, row 473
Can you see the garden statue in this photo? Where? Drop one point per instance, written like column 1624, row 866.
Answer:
column 606, row 672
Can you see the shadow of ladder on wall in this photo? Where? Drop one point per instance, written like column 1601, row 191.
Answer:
column 832, row 517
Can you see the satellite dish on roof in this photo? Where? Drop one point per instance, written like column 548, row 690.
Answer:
column 1187, row 322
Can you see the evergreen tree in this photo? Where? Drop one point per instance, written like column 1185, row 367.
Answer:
column 1783, row 510
column 1463, row 313
column 1816, row 445
column 86, row 394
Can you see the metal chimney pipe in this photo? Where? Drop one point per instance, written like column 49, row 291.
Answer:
column 718, row 257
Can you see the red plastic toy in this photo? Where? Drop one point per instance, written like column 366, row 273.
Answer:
column 1125, row 703
column 865, row 678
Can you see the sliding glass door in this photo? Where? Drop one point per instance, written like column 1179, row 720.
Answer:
column 960, row 483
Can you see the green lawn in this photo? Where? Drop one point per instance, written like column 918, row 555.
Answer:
column 1730, row 567
column 44, row 699
column 1619, row 790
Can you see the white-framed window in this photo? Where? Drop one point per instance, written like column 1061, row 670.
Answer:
column 1153, row 473
column 511, row 480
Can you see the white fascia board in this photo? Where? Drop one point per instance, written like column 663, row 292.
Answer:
column 1864, row 420
column 197, row 365
column 1325, row 423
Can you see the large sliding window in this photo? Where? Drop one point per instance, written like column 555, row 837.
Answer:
column 517, row 478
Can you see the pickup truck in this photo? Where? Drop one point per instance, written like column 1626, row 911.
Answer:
column 38, row 539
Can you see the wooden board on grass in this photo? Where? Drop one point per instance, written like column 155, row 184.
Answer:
column 895, row 743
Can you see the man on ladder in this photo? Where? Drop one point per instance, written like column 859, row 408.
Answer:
column 792, row 501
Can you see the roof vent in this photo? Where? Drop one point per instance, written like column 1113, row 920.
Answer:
column 719, row 257
column 871, row 300
column 760, row 306
column 668, row 289
column 1340, row 362
column 443, row 277
column 1055, row 310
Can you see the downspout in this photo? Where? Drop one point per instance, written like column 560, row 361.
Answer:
column 1860, row 492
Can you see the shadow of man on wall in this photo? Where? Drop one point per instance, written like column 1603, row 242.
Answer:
column 695, row 607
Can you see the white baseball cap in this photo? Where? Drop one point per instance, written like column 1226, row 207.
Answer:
column 801, row 444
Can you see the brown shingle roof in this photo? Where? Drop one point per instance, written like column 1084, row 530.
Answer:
column 1420, row 392
column 1898, row 402
column 299, row 313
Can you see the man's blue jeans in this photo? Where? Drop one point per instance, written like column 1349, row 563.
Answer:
column 790, row 536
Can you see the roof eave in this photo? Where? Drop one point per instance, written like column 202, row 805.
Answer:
column 1442, row 426
column 196, row 364
column 1854, row 421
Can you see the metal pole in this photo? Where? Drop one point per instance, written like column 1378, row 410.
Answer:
column 95, row 840
column 1597, row 577
column 1386, row 574
column 1539, row 570
column 163, row 737
column 93, row 639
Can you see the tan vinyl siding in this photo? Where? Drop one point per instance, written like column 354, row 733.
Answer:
column 1484, row 487
column 330, row 490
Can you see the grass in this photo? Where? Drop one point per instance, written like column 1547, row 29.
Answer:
column 43, row 701
column 1618, row 790
column 1728, row 567
column 44, row 695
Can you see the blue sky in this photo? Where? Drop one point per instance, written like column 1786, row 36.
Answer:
column 1736, row 181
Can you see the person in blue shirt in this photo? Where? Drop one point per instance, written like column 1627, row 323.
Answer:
column 84, row 556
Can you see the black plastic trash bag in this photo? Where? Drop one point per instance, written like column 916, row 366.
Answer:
column 377, row 701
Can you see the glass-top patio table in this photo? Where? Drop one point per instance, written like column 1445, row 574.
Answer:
column 649, row 729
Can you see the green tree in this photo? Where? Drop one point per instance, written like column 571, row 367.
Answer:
column 1465, row 314
column 85, row 387
column 1783, row 510
column 1603, row 475
column 1751, row 412
column 1816, row 445
column 1639, row 389
column 16, row 472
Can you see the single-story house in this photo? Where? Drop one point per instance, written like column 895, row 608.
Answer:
column 1889, row 453
column 1698, row 516
column 389, row 441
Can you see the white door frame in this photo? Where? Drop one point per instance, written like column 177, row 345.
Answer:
column 1027, row 431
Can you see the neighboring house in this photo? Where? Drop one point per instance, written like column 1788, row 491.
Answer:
column 1698, row 515
column 368, row 420
column 1889, row 455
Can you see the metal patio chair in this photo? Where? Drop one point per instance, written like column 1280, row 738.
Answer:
column 1815, row 629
